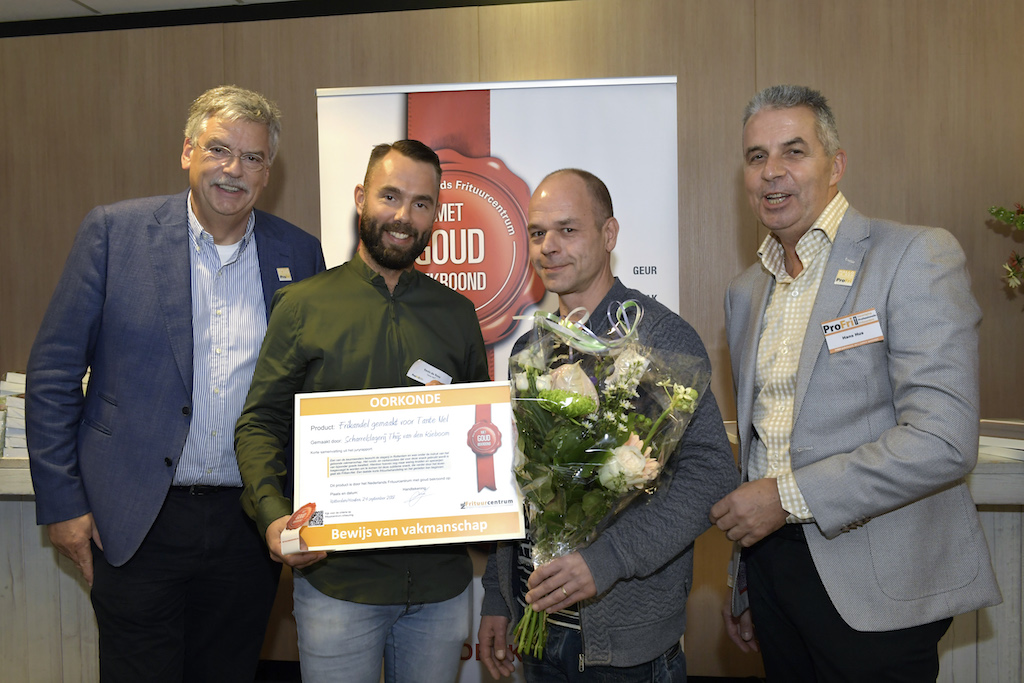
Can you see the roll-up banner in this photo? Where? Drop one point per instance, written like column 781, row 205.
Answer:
column 496, row 142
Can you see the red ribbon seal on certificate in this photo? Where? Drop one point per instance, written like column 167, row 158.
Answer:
column 484, row 439
column 479, row 246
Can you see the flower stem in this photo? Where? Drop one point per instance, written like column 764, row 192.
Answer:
column 657, row 423
column 531, row 633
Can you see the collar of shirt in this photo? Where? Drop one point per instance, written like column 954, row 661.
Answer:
column 820, row 235
column 363, row 269
column 197, row 233
column 405, row 279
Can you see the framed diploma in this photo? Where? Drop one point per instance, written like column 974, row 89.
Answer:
column 387, row 468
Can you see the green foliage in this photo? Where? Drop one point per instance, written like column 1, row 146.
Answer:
column 567, row 403
column 1014, row 267
column 1014, row 218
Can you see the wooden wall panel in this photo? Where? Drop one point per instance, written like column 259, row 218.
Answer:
column 943, row 70
column 91, row 118
column 297, row 56
column 927, row 98
column 12, row 592
column 80, row 645
column 709, row 48
column 1000, row 632
column 38, row 610
column 31, row 637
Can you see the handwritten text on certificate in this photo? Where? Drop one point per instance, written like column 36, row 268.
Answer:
column 410, row 466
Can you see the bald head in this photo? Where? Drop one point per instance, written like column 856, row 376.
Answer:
column 595, row 187
column 572, row 235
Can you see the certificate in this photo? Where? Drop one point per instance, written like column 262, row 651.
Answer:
column 386, row 468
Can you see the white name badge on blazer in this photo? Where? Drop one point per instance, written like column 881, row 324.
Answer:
column 853, row 330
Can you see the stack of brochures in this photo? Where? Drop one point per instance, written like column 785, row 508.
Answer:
column 1002, row 439
column 12, row 396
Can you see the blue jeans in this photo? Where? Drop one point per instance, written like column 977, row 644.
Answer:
column 562, row 662
column 346, row 641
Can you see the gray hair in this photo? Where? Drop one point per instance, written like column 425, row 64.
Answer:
column 232, row 103
column 789, row 96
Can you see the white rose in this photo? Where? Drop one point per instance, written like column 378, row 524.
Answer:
column 628, row 467
column 571, row 377
column 532, row 357
column 522, row 381
column 628, row 369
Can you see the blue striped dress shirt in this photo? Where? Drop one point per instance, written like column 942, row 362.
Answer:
column 229, row 321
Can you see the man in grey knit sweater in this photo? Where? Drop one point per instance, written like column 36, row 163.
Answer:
column 617, row 607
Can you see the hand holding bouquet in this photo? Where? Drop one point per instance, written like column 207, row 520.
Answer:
column 597, row 419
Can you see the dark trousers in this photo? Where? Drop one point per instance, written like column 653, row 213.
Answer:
column 192, row 604
column 802, row 636
column 562, row 663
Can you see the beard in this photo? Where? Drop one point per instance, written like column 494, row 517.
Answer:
column 371, row 233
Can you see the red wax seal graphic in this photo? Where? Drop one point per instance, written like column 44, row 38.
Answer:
column 300, row 516
column 479, row 246
column 484, row 439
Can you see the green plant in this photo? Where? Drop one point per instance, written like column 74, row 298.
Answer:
column 1015, row 264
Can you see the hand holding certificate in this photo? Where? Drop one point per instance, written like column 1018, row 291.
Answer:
column 402, row 467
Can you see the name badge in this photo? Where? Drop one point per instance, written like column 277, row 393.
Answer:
column 425, row 373
column 853, row 330
column 284, row 274
column 845, row 278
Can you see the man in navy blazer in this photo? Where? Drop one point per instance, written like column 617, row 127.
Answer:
column 855, row 360
column 164, row 303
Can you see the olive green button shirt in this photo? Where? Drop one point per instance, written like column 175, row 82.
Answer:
column 343, row 330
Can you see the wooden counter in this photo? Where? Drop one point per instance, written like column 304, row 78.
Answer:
column 14, row 478
column 48, row 630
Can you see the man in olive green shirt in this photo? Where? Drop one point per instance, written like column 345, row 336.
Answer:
column 362, row 325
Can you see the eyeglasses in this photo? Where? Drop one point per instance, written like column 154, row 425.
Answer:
column 251, row 161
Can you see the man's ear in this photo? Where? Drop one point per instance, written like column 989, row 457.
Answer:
column 610, row 230
column 186, row 154
column 360, row 197
column 838, row 167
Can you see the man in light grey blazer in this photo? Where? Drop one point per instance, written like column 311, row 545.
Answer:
column 854, row 352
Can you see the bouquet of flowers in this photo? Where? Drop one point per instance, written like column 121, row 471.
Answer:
column 597, row 418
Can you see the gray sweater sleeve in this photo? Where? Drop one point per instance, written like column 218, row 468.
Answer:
column 655, row 529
